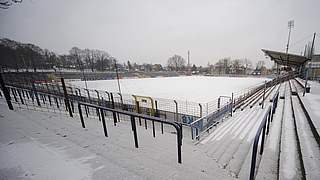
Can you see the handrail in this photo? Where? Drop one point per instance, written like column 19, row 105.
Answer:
column 222, row 112
column 262, row 128
column 133, row 116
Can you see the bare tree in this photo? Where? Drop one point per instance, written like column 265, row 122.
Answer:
column 176, row 63
column 5, row 4
column 247, row 65
column 75, row 54
column 237, row 66
column 89, row 58
column 260, row 65
column 101, row 59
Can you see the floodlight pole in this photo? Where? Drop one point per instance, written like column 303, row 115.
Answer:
column 307, row 68
column 119, row 87
column 290, row 26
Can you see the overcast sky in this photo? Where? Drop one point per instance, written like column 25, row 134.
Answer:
column 153, row 30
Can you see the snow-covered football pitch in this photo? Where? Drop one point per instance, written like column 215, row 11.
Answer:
column 200, row 89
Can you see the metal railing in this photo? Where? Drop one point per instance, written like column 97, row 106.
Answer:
column 205, row 123
column 133, row 119
column 262, row 132
column 40, row 101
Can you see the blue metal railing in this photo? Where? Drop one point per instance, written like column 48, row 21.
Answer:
column 207, row 122
column 264, row 129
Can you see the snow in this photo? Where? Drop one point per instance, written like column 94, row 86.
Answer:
column 289, row 167
column 33, row 157
column 47, row 145
column 199, row 89
column 312, row 103
column 268, row 167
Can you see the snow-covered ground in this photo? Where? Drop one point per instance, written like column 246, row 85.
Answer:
column 46, row 145
column 201, row 89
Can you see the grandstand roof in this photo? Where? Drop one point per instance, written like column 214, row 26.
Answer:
column 286, row 59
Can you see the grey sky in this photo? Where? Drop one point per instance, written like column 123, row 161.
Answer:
column 153, row 30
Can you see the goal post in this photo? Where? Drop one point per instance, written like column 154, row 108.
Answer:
column 144, row 101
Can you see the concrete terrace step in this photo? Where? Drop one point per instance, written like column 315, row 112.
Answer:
column 268, row 166
column 231, row 141
column 231, row 123
column 239, row 157
column 311, row 102
column 238, row 138
column 289, row 167
column 229, row 137
column 310, row 150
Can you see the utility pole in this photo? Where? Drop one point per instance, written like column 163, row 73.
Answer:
column 188, row 58
column 189, row 68
column 307, row 68
column 115, row 64
column 290, row 26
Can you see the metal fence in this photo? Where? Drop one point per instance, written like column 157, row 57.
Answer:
column 185, row 112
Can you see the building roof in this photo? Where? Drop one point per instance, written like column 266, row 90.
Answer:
column 282, row 58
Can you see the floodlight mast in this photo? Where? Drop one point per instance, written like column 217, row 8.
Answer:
column 119, row 87
column 290, row 26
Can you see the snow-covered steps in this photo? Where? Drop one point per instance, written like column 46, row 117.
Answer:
column 310, row 150
column 290, row 166
column 269, row 164
column 309, row 147
column 230, row 143
column 311, row 103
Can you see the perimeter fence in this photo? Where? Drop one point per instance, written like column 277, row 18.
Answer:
column 205, row 123
column 185, row 112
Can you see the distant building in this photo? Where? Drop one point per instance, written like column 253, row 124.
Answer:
column 314, row 67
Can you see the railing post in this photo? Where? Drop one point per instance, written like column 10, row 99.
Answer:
column 36, row 94
column 19, row 93
column 192, row 137
column 27, row 94
column 88, row 93
column 67, row 103
column 56, row 99
column 14, row 94
column 108, row 95
column 113, row 113
column 5, row 92
column 179, row 142
column 157, row 115
column 78, row 94
column 231, row 103
column 153, row 130
column 177, row 115
column 72, row 106
column 269, row 120
column 264, row 93
column 138, row 111
column 98, row 113
column 306, row 83
column 134, row 129
column 81, row 117
column 98, row 95
column 200, row 106
column 104, row 123
column 86, row 109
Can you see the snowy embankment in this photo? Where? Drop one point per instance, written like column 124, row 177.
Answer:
column 200, row 89
column 43, row 145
